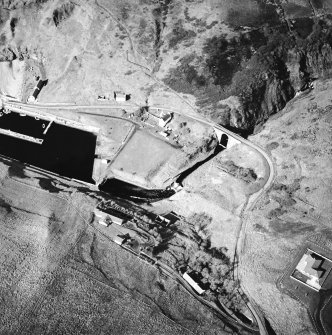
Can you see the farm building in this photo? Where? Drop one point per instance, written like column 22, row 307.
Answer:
column 104, row 223
column 119, row 240
column 162, row 119
column 162, row 220
column 115, row 219
column 120, row 96
column 100, row 214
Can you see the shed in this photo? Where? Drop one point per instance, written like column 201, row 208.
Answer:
column 115, row 219
column 119, row 240
column 120, row 96
column 100, row 214
column 162, row 220
column 164, row 118
column 104, row 223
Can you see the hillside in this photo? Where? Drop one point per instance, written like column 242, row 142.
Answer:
column 258, row 67
column 237, row 62
column 297, row 206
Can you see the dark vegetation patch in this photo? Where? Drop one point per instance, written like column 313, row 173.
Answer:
column 295, row 10
column 264, row 13
column 13, row 23
column 157, row 14
column 185, row 77
column 3, row 39
column 303, row 26
column 5, row 206
column 4, row 16
column 289, row 228
column 317, row 4
column 272, row 146
column 225, row 57
column 62, row 13
column 16, row 170
column 179, row 34
column 254, row 67
column 124, row 12
column 246, row 174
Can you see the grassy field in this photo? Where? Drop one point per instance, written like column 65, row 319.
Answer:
column 37, row 231
column 49, row 287
column 104, row 289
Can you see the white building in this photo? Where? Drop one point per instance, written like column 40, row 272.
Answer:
column 192, row 283
column 103, row 223
column 120, row 96
column 115, row 219
column 164, row 118
column 119, row 240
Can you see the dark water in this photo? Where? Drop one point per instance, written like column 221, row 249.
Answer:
column 23, row 124
column 66, row 151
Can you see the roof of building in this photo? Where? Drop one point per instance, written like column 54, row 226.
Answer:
column 311, row 265
column 99, row 213
column 115, row 219
column 165, row 116
column 119, row 240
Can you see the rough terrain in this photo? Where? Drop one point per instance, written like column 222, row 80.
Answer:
column 297, row 206
column 60, row 275
column 235, row 62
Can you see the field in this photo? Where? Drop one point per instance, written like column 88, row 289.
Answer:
column 37, row 231
column 105, row 289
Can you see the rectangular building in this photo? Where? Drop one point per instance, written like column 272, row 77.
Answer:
column 192, row 283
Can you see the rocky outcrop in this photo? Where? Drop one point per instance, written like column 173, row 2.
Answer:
column 63, row 12
column 7, row 54
column 261, row 71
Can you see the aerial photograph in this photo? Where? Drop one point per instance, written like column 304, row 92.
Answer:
column 166, row 167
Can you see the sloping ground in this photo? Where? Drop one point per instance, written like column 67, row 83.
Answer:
column 258, row 51
column 38, row 230
column 297, row 205
column 11, row 75
column 219, row 189
column 59, row 277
